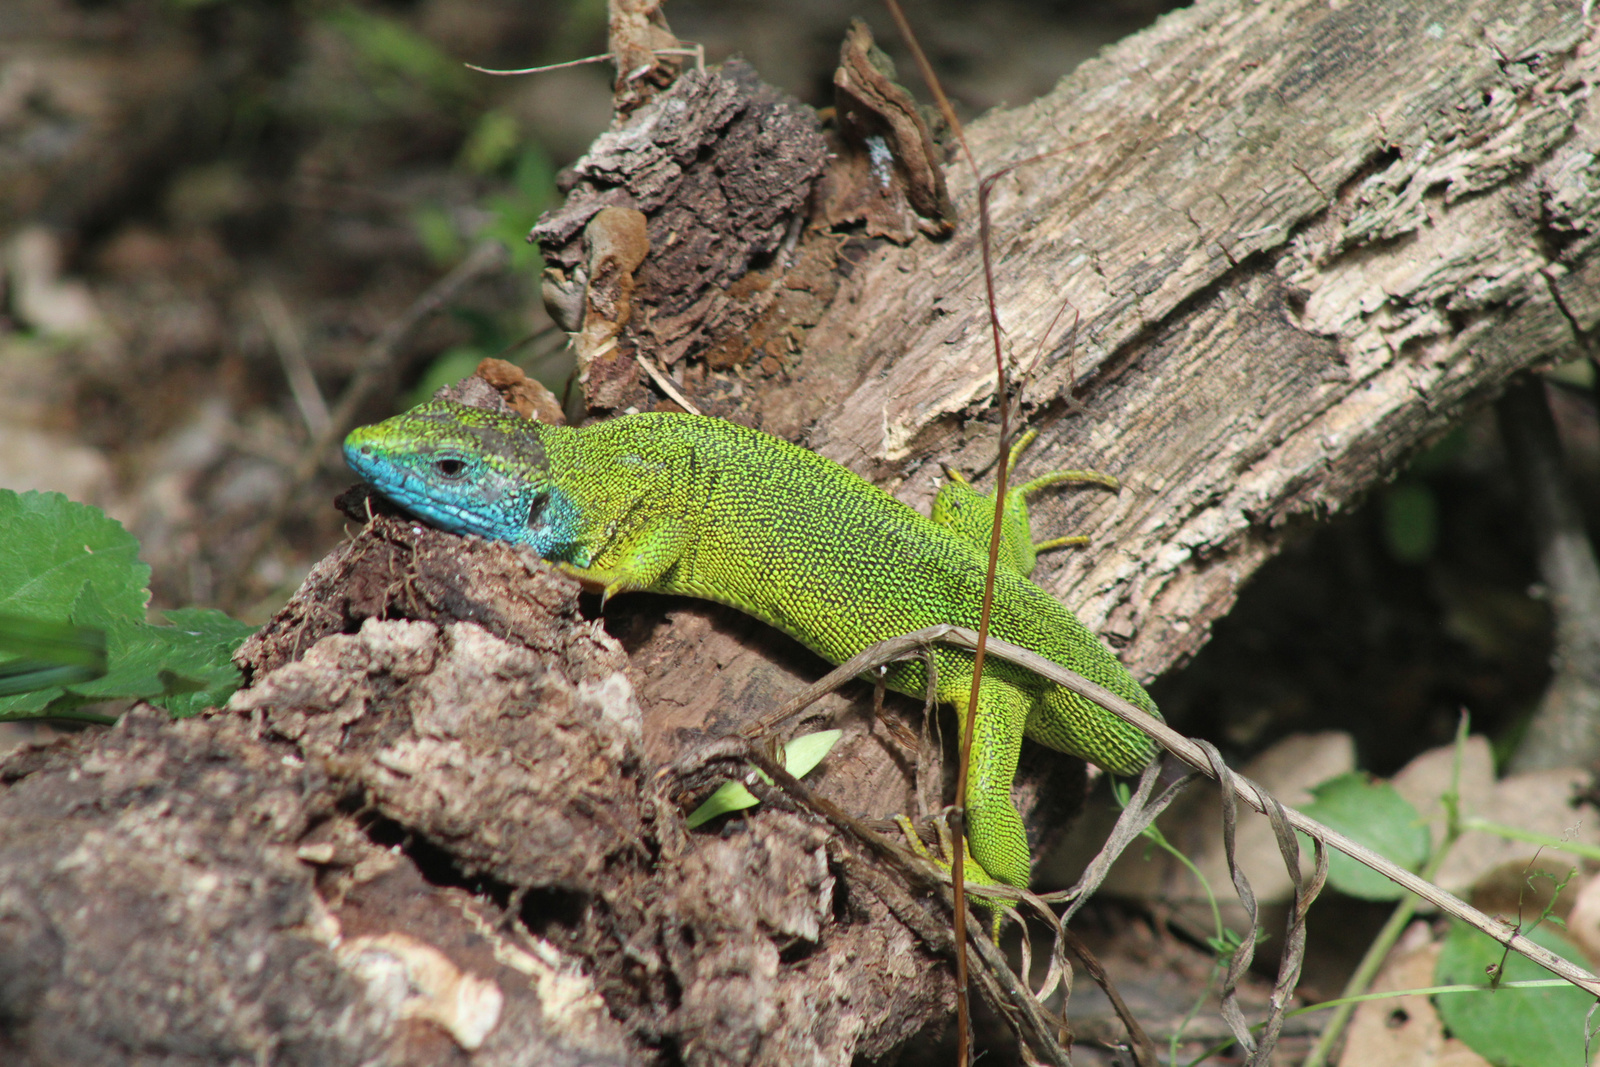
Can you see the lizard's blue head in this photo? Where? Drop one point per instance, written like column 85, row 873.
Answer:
column 466, row 470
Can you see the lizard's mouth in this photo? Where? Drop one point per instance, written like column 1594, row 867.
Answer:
column 360, row 457
column 412, row 483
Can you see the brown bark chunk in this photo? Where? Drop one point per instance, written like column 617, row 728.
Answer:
column 721, row 166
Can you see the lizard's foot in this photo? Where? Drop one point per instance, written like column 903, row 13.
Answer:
column 972, row 871
column 970, row 514
column 607, row 583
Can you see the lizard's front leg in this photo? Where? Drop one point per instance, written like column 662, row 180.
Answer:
column 627, row 557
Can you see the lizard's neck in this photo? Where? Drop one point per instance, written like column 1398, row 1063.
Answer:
column 554, row 526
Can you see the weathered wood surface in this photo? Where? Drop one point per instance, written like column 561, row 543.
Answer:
column 1301, row 242
column 1302, row 239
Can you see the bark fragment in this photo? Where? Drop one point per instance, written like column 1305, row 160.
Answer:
column 160, row 902
column 890, row 176
column 721, row 166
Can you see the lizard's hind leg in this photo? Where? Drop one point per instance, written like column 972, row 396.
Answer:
column 1069, row 723
column 995, row 833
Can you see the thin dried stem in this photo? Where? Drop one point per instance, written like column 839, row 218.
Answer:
column 1191, row 753
column 698, row 51
column 958, row 827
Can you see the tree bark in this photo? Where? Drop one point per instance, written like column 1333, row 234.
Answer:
column 1299, row 241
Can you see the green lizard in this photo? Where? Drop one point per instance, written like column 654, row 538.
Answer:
column 702, row 507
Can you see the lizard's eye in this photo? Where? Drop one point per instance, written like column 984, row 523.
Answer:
column 449, row 467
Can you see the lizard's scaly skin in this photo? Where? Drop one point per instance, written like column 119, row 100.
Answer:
column 698, row 506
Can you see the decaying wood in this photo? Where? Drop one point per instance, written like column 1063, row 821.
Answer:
column 642, row 48
column 193, row 893
column 1300, row 240
column 888, row 175
column 225, row 887
column 719, row 166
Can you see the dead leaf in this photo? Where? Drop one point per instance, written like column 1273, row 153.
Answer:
column 1405, row 1031
column 1193, row 824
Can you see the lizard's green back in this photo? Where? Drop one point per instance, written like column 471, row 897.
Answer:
column 702, row 507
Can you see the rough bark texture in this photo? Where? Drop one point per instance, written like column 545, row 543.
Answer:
column 1300, row 240
column 222, row 889
column 720, row 166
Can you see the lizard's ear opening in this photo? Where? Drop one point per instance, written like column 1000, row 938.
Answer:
column 537, row 506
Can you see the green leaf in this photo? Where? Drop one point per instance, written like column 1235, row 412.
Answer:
column 184, row 668
column 48, row 654
column 800, row 757
column 50, row 546
column 134, row 669
column 61, row 560
column 729, row 797
column 198, row 671
column 1373, row 814
column 1512, row 1027
column 211, row 625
